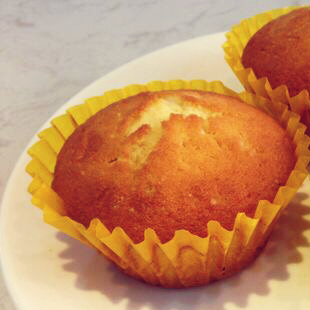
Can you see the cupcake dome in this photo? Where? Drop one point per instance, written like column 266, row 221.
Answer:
column 184, row 156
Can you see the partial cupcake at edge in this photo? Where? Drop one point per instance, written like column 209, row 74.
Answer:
column 270, row 55
column 178, row 183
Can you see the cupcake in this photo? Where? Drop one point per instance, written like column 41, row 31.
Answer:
column 280, row 51
column 179, row 186
column 272, row 58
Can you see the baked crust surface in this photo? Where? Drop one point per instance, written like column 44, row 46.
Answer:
column 172, row 160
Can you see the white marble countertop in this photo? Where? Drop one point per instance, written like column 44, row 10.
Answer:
column 50, row 50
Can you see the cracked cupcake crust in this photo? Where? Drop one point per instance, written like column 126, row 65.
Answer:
column 172, row 160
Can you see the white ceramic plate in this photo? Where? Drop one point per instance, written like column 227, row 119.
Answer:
column 46, row 270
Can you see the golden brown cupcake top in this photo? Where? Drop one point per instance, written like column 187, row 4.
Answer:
column 172, row 160
column 280, row 51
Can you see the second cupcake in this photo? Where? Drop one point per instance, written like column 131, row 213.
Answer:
column 269, row 53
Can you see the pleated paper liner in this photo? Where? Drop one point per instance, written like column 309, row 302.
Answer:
column 236, row 41
column 186, row 260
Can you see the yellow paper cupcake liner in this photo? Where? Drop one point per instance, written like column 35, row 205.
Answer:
column 236, row 41
column 186, row 260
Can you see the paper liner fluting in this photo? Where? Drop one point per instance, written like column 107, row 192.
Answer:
column 237, row 39
column 186, row 260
